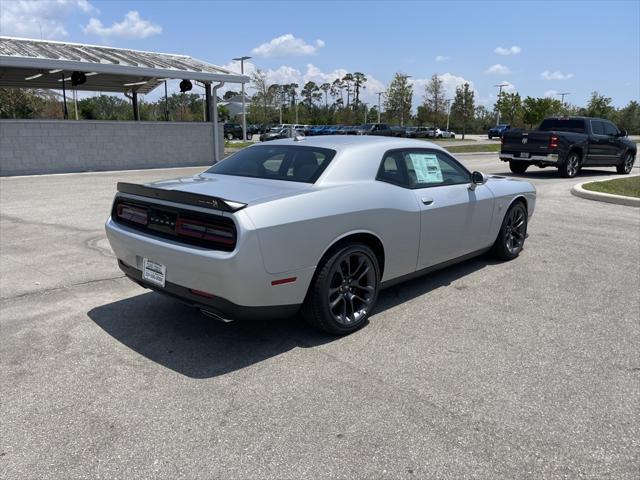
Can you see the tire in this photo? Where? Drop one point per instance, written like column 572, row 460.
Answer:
column 490, row 137
column 512, row 234
column 335, row 304
column 626, row 164
column 518, row 167
column 570, row 165
column 229, row 136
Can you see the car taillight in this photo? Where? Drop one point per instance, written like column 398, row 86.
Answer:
column 205, row 231
column 502, row 139
column 132, row 214
column 553, row 141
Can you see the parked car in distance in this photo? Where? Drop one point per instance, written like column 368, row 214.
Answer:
column 416, row 132
column 448, row 134
column 317, row 130
column 249, row 237
column 381, row 129
column 232, row 130
column 569, row 143
column 275, row 133
column 498, row 130
column 434, row 132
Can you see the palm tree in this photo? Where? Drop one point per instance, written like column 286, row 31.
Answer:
column 338, row 85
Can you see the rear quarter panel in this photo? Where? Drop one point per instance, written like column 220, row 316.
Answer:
column 295, row 232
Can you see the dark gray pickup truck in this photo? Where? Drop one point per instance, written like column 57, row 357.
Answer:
column 569, row 143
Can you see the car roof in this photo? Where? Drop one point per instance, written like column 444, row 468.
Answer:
column 345, row 142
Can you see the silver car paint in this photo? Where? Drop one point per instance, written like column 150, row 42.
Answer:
column 288, row 226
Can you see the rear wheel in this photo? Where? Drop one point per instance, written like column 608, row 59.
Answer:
column 344, row 291
column 518, row 167
column 570, row 166
column 626, row 164
column 513, row 233
column 229, row 136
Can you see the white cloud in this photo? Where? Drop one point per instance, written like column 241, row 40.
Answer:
column 508, row 87
column 131, row 26
column 441, row 58
column 287, row 45
column 547, row 75
column 513, row 50
column 449, row 83
column 40, row 19
column 498, row 69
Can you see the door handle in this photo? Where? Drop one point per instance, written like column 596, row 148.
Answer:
column 427, row 200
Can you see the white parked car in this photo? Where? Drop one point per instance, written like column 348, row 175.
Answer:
column 447, row 134
column 316, row 224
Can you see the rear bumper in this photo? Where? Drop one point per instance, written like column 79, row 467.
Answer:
column 218, row 307
column 236, row 279
column 551, row 159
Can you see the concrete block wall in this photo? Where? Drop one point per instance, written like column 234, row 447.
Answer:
column 60, row 146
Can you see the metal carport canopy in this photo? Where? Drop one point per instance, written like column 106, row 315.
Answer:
column 29, row 63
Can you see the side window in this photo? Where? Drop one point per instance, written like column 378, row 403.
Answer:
column 421, row 169
column 597, row 128
column 432, row 168
column 610, row 129
column 392, row 169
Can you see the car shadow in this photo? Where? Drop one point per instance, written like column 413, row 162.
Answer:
column 180, row 338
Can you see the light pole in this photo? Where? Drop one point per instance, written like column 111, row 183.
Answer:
column 500, row 86
column 379, row 95
column 562, row 95
column 448, row 100
column 244, row 110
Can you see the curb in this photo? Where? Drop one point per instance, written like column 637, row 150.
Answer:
column 578, row 191
column 472, row 153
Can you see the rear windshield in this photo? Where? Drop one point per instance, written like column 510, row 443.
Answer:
column 561, row 125
column 277, row 162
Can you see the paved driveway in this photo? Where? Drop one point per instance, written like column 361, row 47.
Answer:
column 526, row 369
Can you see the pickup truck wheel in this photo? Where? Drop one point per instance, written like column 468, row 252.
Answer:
column 344, row 290
column 513, row 233
column 229, row 136
column 490, row 137
column 518, row 167
column 570, row 166
column 625, row 166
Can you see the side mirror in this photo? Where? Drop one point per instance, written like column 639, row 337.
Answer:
column 477, row 178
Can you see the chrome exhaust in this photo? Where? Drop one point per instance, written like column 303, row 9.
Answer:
column 215, row 316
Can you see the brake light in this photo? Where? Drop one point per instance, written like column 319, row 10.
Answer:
column 205, row 231
column 502, row 139
column 132, row 214
column 553, row 141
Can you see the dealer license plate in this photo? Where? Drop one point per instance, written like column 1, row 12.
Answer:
column 153, row 272
column 524, row 154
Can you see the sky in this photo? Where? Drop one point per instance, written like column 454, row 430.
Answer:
column 537, row 48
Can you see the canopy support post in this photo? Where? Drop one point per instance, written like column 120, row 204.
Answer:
column 134, row 102
column 214, row 116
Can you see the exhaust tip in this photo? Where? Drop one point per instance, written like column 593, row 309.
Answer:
column 215, row 316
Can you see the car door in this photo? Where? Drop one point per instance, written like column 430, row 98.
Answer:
column 614, row 147
column 598, row 144
column 454, row 219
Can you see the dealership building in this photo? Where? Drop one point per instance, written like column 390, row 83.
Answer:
column 53, row 146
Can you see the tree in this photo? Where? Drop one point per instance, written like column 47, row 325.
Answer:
column 398, row 102
column 336, row 89
column 347, row 80
column 463, row 105
column 29, row 103
column 434, row 98
column 534, row 110
column 229, row 94
column 310, row 93
column 509, row 105
column 261, row 98
column 359, row 79
column 629, row 118
column 325, row 87
column 599, row 106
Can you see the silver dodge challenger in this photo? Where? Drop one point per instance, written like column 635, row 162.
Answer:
column 317, row 225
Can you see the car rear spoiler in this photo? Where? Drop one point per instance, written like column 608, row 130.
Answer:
column 185, row 198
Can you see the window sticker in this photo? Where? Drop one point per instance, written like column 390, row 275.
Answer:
column 427, row 167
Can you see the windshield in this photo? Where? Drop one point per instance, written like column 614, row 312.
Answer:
column 562, row 125
column 275, row 130
column 277, row 162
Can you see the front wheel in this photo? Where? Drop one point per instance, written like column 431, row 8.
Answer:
column 344, row 290
column 625, row 166
column 518, row 167
column 570, row 166
column 513, row 233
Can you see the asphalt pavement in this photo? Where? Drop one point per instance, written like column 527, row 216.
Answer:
column 524, row 369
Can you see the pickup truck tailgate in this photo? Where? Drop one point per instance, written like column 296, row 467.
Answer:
column 531, row 142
